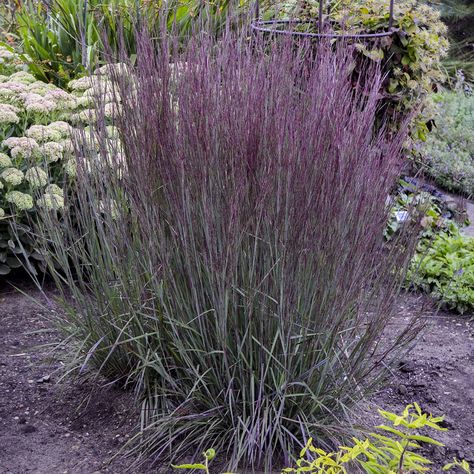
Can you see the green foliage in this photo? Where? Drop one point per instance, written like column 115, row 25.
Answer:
column 448, row 154
column 391, row 450
column 444, row 268
column 443, row 264
column 459, row 16
column 64, row 38
column 411, row 56
column 426, row 210
column 208, row 455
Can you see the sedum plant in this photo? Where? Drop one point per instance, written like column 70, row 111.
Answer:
column 229, row 266
column 38, row 123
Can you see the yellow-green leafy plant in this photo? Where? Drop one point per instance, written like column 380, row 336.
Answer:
column 208, row 455
column 391, row 450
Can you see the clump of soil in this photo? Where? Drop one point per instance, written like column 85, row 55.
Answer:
column 44, row 427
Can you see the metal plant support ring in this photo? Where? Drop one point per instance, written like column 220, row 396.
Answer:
column 270, row 26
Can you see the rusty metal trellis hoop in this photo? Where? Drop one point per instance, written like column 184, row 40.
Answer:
column 270, row 26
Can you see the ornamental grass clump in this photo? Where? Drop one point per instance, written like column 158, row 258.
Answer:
column 230, row 265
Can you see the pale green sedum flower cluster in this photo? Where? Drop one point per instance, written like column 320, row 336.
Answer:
column 39, row 125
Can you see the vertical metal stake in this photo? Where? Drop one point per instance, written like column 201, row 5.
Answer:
column 321, row 16
column 390, row 18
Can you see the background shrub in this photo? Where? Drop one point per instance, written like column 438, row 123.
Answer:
column 230, row 265
column 411, row 57
column 459, row 16
column 64, row 38
column 448, row 154
column 444, row 267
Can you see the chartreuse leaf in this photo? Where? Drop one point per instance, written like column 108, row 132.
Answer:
column 202, row 467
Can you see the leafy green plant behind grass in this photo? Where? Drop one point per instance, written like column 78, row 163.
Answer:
column 64, row 38
column 230, row 265
column 448, row 153
column 444, row 267
column 410, row 57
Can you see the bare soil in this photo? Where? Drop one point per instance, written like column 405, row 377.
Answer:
column 438, row 374
column 47, row 428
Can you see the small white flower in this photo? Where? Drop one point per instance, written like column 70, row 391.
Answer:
column 23, row 76
column 2, row 213
column 42, row 133
column 41, row 88
column 81, row 84
column 13, row 142
column 43, row 106
column 6, row 53
column 28, row 97
column 12, row 176
column 52, row 151
column 54, row 189
column 51, row 202
column 22, row 147
column 57, row 95
column 5, row 161
column 10, row 108
column 7, row 95
column 17, row 87
column 111, row 110
column 62, row 127
column 85, row 116
column 68, row 146
column 8, row 114
column 70, row 168
column 22, row 201
column 108, row 69
column 37, row 177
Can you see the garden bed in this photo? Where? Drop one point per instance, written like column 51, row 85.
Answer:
column 48, row 426
column 44, row 427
